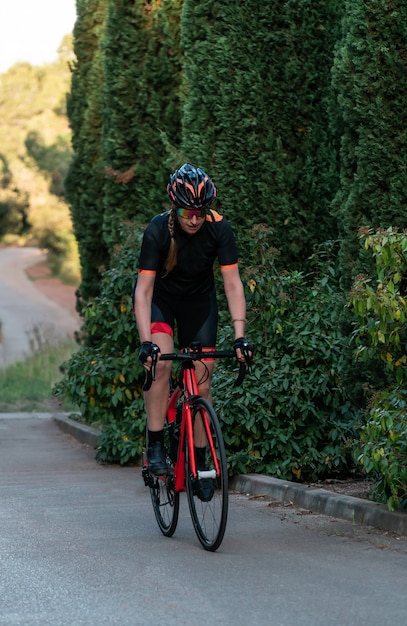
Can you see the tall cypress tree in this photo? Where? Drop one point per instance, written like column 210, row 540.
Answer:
column 141, row 102
column 370, row 76
column 257, row 82
column 84, row 182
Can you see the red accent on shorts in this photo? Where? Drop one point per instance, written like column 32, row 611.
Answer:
column 161, row 327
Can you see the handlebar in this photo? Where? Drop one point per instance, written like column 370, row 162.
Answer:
column 197, row 355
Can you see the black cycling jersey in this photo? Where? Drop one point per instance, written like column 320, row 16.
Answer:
column 196, row 254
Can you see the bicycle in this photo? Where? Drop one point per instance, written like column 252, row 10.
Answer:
column 201, row 470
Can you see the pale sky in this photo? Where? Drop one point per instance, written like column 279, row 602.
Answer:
column 31, row 30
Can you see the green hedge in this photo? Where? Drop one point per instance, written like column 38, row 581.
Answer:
column 292, row 419
column 257, row 82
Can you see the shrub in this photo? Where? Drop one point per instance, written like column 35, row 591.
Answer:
column 380, row 335
column 382, row 450
column 379, row 303
column 104, row 378
column 292, row 419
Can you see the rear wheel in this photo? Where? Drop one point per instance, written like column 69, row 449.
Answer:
column 165, row 503
column 164, row 498
column 208, row 492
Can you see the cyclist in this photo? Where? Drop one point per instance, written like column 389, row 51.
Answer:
column 175, row 285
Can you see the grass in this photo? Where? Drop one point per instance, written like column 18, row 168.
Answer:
column 26, row 386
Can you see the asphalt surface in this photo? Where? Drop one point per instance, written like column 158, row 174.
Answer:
column 79, row 545
column 355, row 510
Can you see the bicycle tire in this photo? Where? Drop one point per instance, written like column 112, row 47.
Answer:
column 164, row 498
column 209, row 517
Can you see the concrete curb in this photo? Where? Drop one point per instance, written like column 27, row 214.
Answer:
column 356, row 510
column 81, row 432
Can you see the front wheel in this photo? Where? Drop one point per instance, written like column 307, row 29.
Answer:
column 208, row 492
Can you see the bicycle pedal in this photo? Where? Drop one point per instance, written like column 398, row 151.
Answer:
column 148, row 479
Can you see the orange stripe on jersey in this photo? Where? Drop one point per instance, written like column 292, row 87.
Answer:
column 151, row 272
column 228, row 267
column 214, row 216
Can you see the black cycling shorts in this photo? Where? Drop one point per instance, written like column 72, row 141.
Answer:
column 195, row 318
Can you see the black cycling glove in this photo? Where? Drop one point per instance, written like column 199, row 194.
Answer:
column 243, row 345
column 146, row 349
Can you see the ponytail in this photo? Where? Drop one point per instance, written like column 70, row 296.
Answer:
column 171, row 259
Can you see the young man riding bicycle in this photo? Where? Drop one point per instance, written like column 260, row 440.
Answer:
column 176, row 285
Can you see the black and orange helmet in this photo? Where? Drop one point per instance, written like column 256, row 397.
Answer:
column 191, row 187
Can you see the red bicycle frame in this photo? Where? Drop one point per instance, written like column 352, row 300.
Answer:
column 190, row 390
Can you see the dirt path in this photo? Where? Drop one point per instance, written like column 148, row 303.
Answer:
column 53, row 288
column 31, row 304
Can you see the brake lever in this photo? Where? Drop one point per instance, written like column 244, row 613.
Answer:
column 248, row 362
column 241, row 375
column 242, row 366
column 150, row 375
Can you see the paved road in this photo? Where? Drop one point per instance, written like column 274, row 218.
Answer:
column 79, row 546
column 24, row 308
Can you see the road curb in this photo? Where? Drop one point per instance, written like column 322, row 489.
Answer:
column 356, row 510
column 81, row 432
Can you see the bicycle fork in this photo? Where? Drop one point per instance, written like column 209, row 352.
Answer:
column 187, row 438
